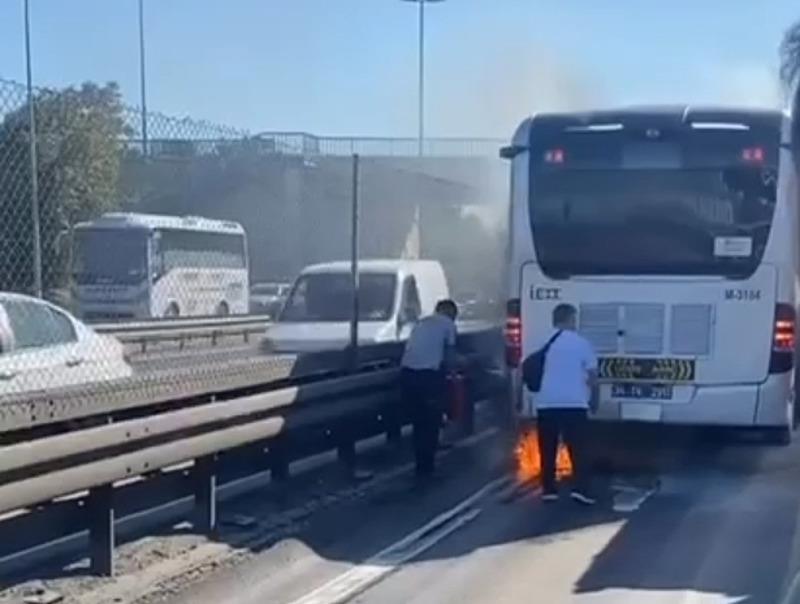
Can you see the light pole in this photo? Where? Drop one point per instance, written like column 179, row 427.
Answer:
column 34, row 163
column 142, row 77
column 416, row 233
column 421, row 84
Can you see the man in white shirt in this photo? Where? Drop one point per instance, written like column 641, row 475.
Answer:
column 568, row 391
column 429, row 353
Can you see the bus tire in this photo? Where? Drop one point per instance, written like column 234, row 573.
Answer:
column 780, row 436
column 223, row 310
column 172, row 311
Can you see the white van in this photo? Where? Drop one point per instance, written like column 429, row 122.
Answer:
column 393, row 294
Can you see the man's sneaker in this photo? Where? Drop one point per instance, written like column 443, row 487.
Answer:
column 549, row 496
column 583, row 498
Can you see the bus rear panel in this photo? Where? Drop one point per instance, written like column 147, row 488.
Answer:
column 665, row 229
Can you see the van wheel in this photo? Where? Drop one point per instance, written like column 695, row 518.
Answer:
column 172, row 311
column 223, row 310
column 781, row 437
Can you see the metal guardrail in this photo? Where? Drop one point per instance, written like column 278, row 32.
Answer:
column 144, row 333
column 327, row 408
column 200, row 382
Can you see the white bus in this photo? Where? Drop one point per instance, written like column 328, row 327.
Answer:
column 131, row 266
column 674, row 232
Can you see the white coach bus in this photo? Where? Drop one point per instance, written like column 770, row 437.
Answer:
column 131, row 266
column 674, row 232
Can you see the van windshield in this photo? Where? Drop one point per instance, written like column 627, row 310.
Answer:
column 326, row 297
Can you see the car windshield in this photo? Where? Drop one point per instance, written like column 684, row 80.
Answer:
column 327, row 297
column 110, row 256
column 267, row 290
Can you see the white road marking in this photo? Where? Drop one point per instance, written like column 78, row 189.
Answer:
column 629, row 498
column 351, row 583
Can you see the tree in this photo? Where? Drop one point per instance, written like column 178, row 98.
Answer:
column 79, row 137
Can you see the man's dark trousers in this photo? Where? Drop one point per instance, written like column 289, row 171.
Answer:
column 570, row 425
column 423, row 395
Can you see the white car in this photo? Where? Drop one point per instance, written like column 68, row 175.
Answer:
column 267, row 298
column 42, row 347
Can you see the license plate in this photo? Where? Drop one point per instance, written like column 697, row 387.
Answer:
column 653, row 370
column 656, row 392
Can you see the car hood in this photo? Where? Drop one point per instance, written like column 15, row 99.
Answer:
column 310, row 337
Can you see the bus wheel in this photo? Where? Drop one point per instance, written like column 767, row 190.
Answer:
column 223, row 310
column 172, row 311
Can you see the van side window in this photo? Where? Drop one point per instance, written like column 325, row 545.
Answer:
column 411, row 308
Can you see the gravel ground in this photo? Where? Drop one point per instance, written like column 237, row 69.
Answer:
column 155, row 568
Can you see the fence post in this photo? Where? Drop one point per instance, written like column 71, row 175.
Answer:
column 205, row 494
column 34, row 161
column 101, row 530
column 354, row 221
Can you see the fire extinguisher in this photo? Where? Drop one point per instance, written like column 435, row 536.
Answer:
column 457, row 396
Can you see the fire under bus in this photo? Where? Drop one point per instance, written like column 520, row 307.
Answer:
column 673, row 231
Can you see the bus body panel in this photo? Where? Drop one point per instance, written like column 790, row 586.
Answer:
column 717, row 324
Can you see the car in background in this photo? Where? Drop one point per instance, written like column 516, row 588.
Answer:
column 43, row 347
column 268, row 298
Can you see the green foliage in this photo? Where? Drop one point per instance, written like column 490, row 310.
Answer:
column 79, row 138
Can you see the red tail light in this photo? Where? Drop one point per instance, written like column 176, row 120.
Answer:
column 753, row 155
column 513, row 333
column 554, row 156
column 783, row 339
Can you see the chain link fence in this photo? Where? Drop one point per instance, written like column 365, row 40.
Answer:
column 212, row 220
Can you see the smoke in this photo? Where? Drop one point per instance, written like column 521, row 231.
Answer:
column 490, row 95
column 745, row 84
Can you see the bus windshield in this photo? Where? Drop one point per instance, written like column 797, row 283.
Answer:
column 110, row 256
column 682, row 221
column 326, row 297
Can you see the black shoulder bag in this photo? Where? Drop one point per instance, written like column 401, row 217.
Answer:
column 533, row 366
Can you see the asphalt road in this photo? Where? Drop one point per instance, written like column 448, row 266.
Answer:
column 685, row 517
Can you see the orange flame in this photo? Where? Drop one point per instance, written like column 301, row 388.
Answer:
column 529, row 459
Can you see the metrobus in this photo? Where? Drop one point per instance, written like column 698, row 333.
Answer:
column 674, row 232
column 129, row 266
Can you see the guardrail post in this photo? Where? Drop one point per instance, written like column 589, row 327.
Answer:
column 394, row 424
column 205, row 494
column 347, row 452
column 101, row 530
column 394, row 434
column 278, row 460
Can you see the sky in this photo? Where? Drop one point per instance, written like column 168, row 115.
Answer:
column 349, row 67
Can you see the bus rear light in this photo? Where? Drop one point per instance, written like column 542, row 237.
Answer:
column 753, row 154
column 513, row 333
column 783, row 339
column 554, row 156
